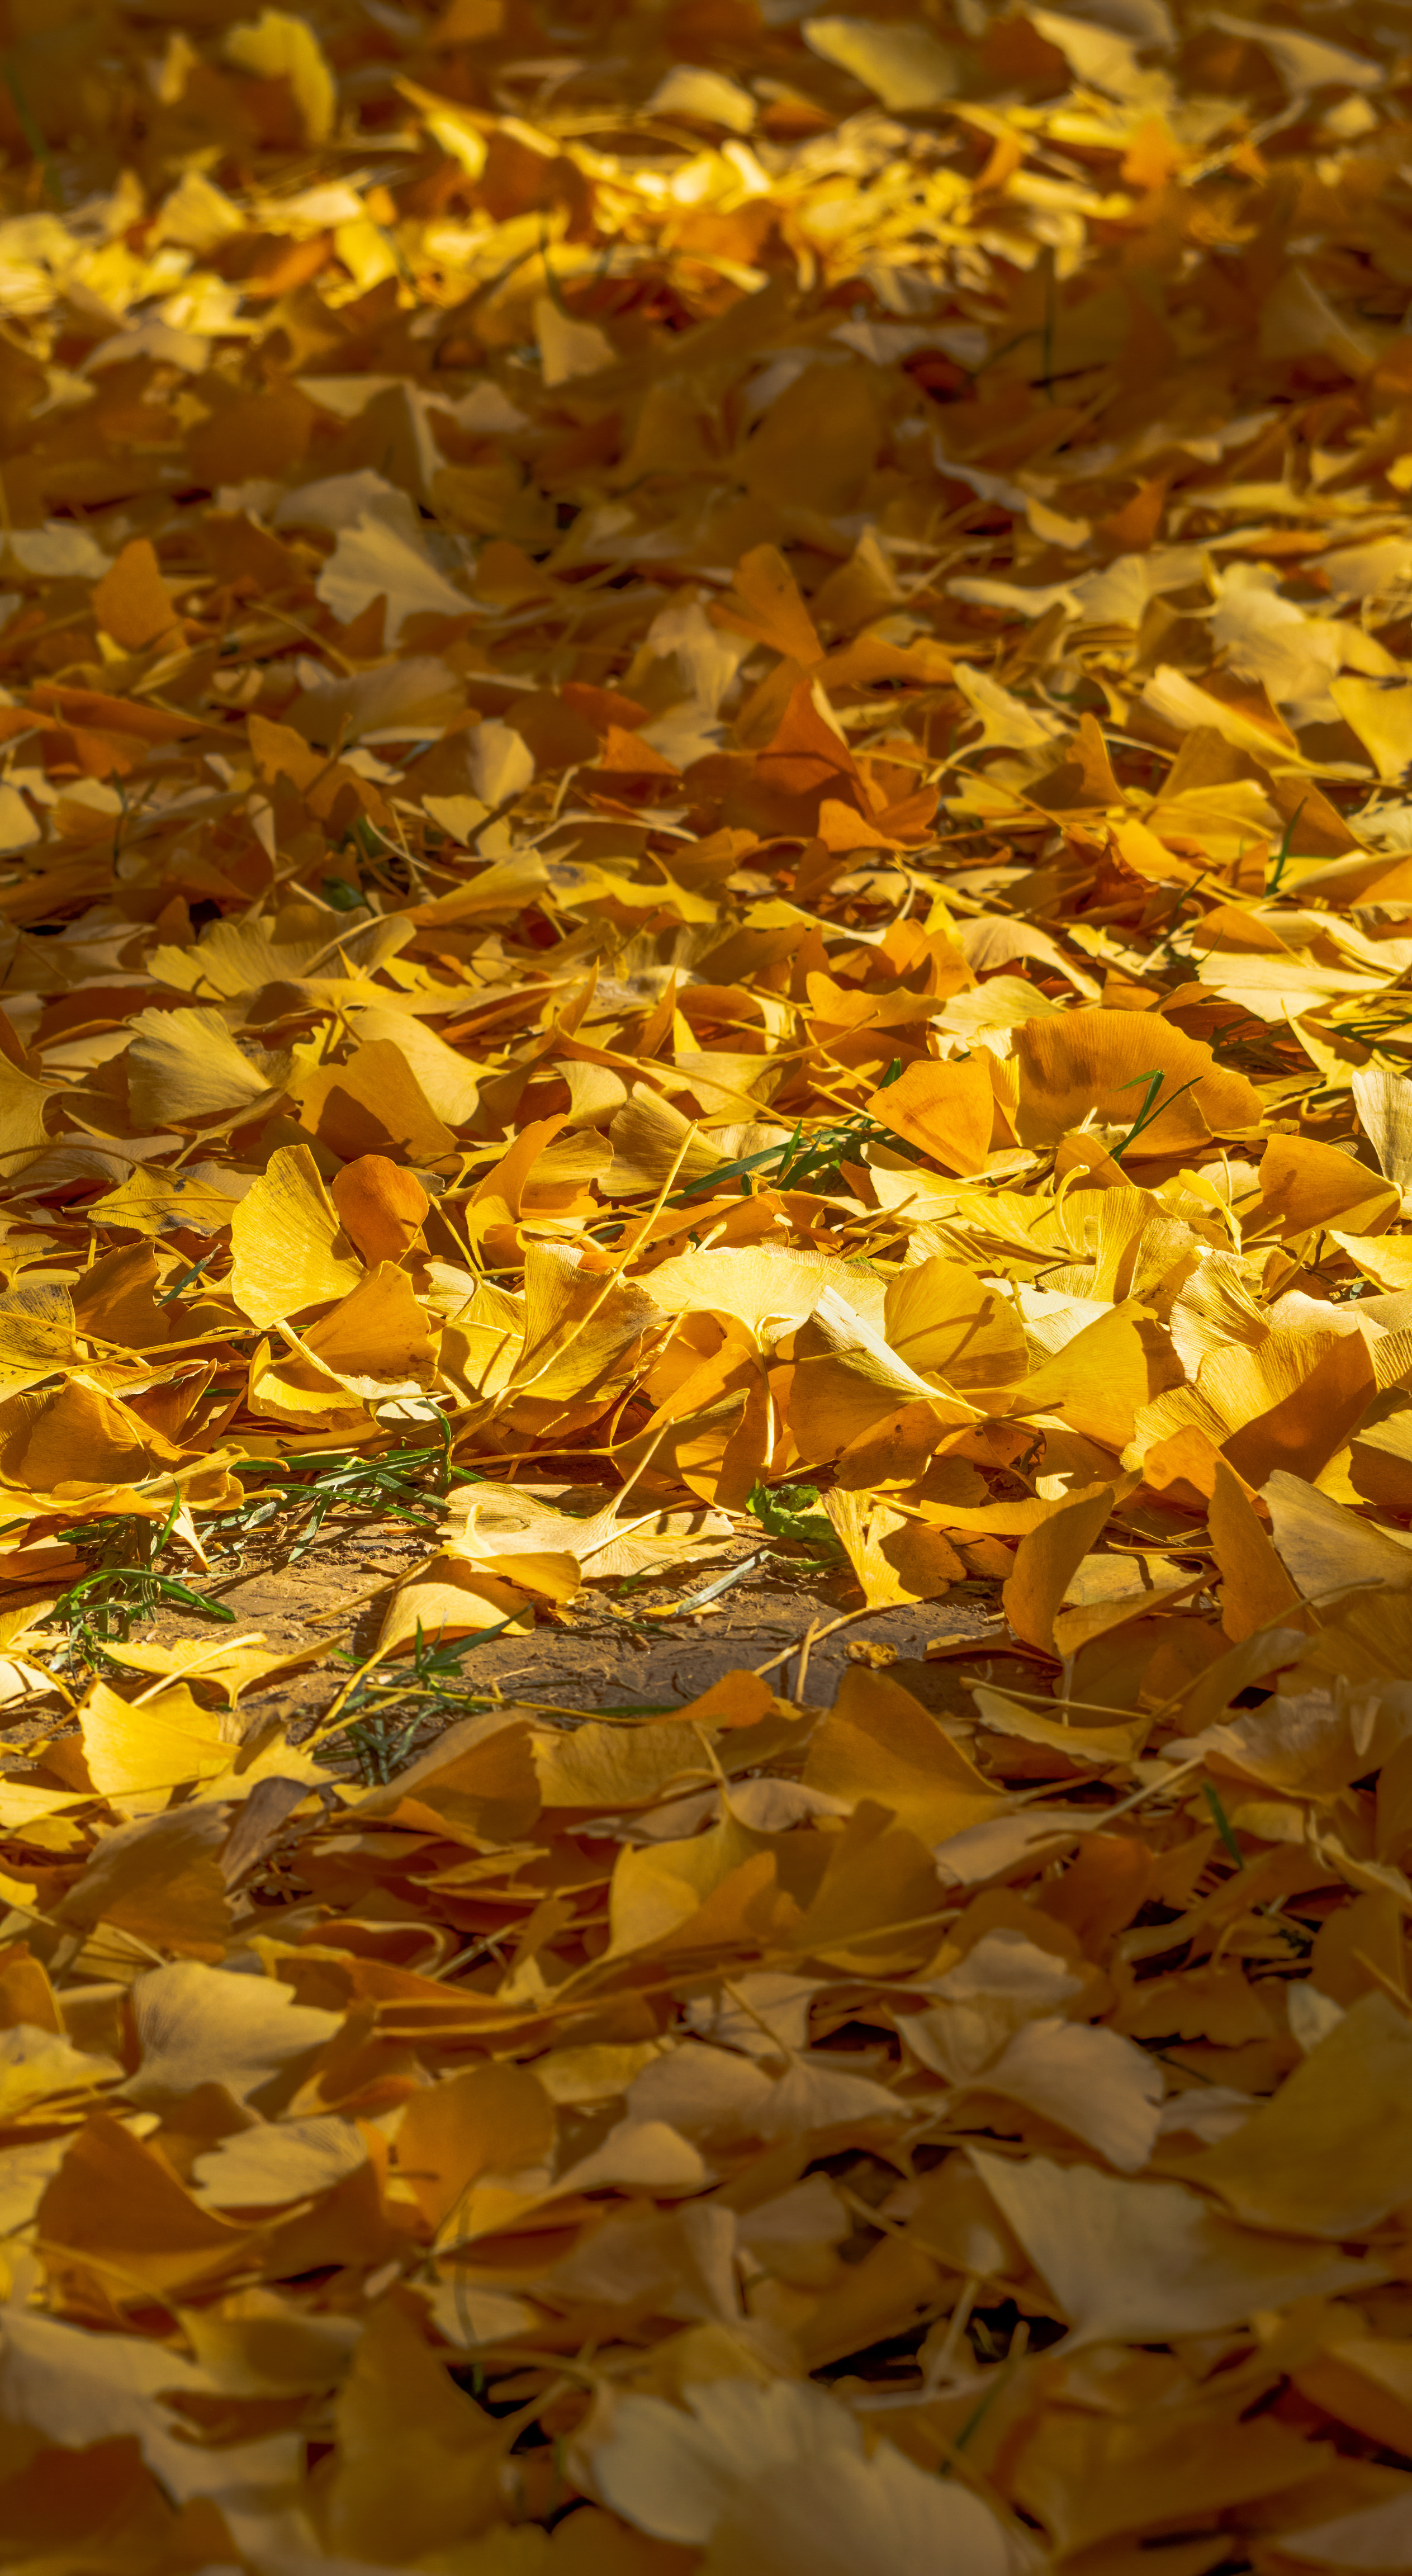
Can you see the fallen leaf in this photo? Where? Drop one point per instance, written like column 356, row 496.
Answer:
column 1144, row 2261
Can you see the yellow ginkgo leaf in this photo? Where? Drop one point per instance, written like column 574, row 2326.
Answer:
column 1119, row 1066
column 770, row 1291
column 879, row 1743
column 944, row 1322
column 141, row 1757
column 769, row 2479
column 373, row 560
column 226, row 1666
column 290, row 1249
column 24, row 1122
column 847, row 1378
column 894, row 1556
column 379, row 1338
column 185, row 1065
column 281, row 47
column 528, row 1541
column 1380, row 713
column 37, row 1333
column 1143, row 2260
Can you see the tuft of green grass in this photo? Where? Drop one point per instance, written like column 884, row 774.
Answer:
column 813, row 1161
column 396, row 1484
column 126, row 1581
column 388, row 1707
column 125, row 1584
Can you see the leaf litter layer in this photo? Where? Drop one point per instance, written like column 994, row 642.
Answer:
column 703, row 721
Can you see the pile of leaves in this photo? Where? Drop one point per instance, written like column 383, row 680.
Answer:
column 703, row 721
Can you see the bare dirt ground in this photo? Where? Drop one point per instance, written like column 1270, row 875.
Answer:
column 636, row 1654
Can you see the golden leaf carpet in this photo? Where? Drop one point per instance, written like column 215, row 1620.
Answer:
column 703, row 726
